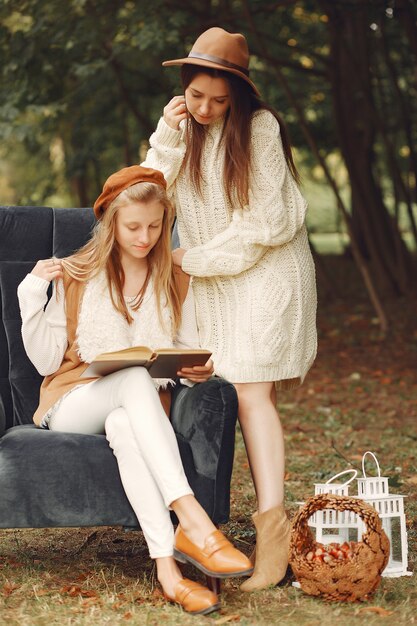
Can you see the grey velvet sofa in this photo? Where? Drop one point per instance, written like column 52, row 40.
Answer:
column 50, row 479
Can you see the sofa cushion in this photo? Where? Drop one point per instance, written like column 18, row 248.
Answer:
column 23, row 377
column 25, row 233
column 5, row 389
column 59, row 479
column 71, row 230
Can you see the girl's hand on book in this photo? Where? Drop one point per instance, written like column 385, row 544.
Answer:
column 198, row 373
column 175, row 111
column 48, row 269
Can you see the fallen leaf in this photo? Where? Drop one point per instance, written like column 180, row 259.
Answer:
column 90, row 602
column 74, row 590
column 227, row 618
column 117, row 605
column 376, row 609
column 8, row 589
column 41, row 592
column 87, row 593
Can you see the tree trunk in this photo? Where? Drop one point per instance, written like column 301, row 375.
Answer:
column 79, row 184
column 355, row 121
column 407, row 14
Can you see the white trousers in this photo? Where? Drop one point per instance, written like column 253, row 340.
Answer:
column 126, row 406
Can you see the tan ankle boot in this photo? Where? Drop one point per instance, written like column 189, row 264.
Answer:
column 272, row 542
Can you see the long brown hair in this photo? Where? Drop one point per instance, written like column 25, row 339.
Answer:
column 236, row 135
column 101, row 252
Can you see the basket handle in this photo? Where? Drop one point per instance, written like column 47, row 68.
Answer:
column 341, row 503
column 376, row 463
column 348, row 471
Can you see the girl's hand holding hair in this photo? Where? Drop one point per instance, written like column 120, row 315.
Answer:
column 198, row 373
column 175, row 111
column 48, row 269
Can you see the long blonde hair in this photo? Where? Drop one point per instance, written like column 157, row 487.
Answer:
column 101, row 253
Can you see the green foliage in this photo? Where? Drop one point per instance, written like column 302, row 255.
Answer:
column 88, row 73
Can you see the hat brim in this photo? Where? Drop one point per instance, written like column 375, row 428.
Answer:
column 211, row 64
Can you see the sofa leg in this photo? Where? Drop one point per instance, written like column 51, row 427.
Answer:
column 214, row 584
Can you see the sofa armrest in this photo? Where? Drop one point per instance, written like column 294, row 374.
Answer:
column 2, row 418
column 204, row 420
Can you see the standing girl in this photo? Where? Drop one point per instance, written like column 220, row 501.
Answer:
column 227, row 160
column 120, row 290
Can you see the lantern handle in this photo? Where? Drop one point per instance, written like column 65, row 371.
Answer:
column 348, row 471
column 376, row 462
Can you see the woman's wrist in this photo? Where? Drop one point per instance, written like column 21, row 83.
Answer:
column 166, row 135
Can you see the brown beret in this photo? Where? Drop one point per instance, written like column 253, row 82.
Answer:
column 121, row 180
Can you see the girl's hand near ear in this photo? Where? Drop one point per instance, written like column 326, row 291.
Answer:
column 48, row 269
column 175, row 111
column 198, row 373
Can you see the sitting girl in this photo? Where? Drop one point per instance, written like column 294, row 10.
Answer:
column 118, row 291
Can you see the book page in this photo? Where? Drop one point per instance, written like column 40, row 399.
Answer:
column 137, row 352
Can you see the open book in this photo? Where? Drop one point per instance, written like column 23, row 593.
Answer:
column 161, row 363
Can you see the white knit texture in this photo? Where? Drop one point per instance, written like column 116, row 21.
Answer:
column 101, row 328
column 44, row 333
column 254, row 279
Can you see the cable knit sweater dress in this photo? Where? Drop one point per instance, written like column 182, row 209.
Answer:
column 254, row 279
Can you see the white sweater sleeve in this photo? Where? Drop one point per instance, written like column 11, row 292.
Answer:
column 275, row 213
column 44, row 332
column 167, row 151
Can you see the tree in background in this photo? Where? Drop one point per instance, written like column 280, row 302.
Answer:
column 82, row 88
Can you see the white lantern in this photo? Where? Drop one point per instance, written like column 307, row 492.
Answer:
column 335, row 526
column 390, row 508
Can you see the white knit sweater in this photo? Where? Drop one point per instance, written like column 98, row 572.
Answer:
column 254, row 282
column 101, row 328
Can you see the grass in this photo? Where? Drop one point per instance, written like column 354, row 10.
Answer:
column 361, row 394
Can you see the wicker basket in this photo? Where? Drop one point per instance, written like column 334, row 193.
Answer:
column 350, row 580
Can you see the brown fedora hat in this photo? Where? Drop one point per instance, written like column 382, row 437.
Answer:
column 220, row 50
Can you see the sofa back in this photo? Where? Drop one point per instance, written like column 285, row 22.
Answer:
column 28, row 234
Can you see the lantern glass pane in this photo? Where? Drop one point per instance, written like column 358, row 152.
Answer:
column 392, row 527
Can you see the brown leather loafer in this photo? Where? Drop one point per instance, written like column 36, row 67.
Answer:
column 218, row 558
column 194, row 598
